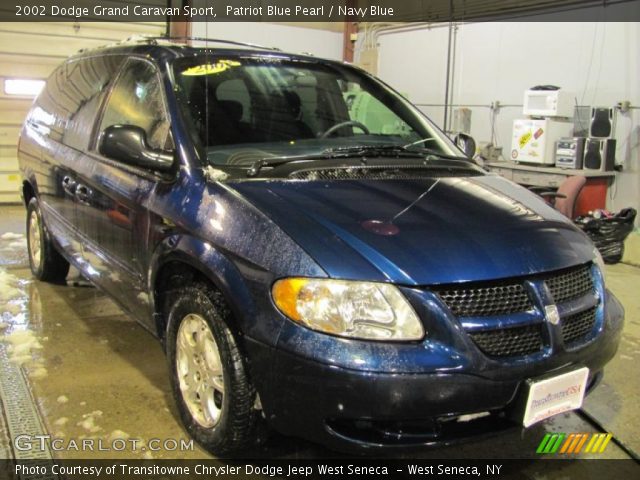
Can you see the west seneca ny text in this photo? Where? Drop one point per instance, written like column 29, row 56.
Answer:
column 263, row 470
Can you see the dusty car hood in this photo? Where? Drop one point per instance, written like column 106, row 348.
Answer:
column 421, row 232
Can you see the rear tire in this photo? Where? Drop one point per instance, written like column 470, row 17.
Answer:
column 209, row 376
column 45, row 261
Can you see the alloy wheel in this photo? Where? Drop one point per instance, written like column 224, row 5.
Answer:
column 199, row 369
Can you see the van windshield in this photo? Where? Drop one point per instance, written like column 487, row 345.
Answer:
column 245, row 109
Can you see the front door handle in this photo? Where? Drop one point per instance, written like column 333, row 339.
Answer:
column 83, row 193
column 68, row 184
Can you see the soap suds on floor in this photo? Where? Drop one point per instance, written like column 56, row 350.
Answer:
column 22, row 344
column 118, row 435
column 89, row 422
column 12, row 309
column 95, row 413
column 89, row 425
column 11, row 236
column 8, row 286
column 22, row 348
column 38, row 372
column 143, row 297
column 60, row 422
column 18, row 245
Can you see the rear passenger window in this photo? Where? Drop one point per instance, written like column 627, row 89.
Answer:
column 137, row 99
column 66, row 109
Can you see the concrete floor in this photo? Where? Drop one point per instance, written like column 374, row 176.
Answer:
column 94, row 373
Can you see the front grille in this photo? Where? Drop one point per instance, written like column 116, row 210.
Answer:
column 510, row 342
column 486, row 301
column 578, row 326
column 503, row 299
column 571, row 285
column 409, row 172
column 510, row 297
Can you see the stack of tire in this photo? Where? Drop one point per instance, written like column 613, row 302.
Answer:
column 608, row 233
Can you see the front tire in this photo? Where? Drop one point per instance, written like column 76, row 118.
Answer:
column 45, row 261
column 209, row 377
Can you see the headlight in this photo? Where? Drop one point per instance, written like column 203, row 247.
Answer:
column 599, row 261
column 373, row 311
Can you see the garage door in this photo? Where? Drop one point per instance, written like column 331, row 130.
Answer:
column 30, row 51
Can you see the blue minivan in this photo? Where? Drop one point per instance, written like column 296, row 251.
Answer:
column 314, row 254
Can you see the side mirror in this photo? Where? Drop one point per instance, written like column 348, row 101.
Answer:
column 128, row 144
column 466, row 143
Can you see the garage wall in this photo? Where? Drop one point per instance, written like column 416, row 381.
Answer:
column 296, row 39
column 33, row 50
column 597, row 61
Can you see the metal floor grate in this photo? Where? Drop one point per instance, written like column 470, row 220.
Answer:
column 21, row 413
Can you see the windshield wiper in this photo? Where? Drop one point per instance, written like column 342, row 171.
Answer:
column 410, row 150
column 338, row 152
column 373, row 151
column 277, row 161
column 370, row 151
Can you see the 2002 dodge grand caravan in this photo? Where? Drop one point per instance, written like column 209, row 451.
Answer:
column 312, row 251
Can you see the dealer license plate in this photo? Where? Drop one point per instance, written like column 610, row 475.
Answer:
column 555, row 395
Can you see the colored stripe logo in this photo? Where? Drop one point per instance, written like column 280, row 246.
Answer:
column 573, row 443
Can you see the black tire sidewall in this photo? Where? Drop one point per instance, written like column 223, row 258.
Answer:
column 195, row 301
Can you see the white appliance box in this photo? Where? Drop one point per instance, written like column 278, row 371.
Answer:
column 534, row 141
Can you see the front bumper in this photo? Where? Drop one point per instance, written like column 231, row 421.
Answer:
column 360, row 410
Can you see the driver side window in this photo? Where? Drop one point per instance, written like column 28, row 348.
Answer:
column 137, row 99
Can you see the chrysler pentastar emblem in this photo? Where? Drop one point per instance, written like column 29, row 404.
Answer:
column 552, row 314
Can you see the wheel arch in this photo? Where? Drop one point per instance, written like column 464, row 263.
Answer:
column 28, row 192
column 187, row 258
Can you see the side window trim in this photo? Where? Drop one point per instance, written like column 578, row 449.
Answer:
column 95, row 131
column 105, row 90
column 93, row 147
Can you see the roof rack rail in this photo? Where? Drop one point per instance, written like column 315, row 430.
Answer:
column 221, row 40
column 154, row 40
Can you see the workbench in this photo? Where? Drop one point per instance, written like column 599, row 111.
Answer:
column 593, row 195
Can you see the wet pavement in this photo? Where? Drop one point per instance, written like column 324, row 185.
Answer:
column 97, row 375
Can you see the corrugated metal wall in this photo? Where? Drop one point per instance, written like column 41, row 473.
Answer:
column 33, row 50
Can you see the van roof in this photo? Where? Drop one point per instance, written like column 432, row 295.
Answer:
column 166, row 47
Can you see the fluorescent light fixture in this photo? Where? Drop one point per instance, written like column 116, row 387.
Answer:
column 24, row 87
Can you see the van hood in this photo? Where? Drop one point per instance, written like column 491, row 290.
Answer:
column 423, row 231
